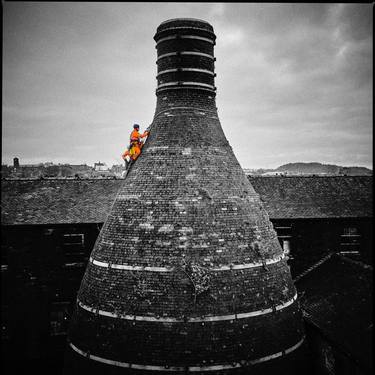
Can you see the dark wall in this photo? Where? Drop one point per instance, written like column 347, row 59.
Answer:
column 330, row 359
column 312, row 239
column 42, row 267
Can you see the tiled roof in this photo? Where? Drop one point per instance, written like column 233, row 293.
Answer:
column 337, row 298
column 62, row 201
column 57, row 201
column 315, row 196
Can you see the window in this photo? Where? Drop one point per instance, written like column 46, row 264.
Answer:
column 350, row 231
column 4, row 253
column 59, row 319
column 286, row 246
column 74, row 239
column 284, row 234
column 350, row 241
column 5, row 335
column 74, row 249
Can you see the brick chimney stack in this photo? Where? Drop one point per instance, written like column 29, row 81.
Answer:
column 185, row 62
column 187, row 274
column 16, row 163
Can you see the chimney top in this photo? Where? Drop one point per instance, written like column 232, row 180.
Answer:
column 184, row 23
column 185, row 50
column 182, row 19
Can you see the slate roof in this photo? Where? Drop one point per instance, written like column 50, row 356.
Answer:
column 315, row 196
column 63, row 201
column 57, row 201
column 336, row 297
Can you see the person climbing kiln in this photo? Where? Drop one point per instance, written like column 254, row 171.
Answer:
column 135, row 147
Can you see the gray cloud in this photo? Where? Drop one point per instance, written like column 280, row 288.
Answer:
column 294, row 80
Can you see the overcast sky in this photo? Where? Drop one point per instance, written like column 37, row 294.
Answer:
column 294, row 81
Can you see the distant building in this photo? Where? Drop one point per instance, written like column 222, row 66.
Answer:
column 68, row 170
column 24, row 171
column 274, row 173
column 6, row 171
column 28, row 171
column 102, row 174
column 101, row 170
column 100, row 166
column 81, row 170
column 118, row 170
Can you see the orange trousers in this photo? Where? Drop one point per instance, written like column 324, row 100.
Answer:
column 133, row 152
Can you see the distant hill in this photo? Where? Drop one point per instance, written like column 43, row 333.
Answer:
column 313, row 168
column 319, row 168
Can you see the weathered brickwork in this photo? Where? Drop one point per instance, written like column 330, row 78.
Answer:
column 201, row 101
column 187, row 269
column 187, row 343
column 167, row 293
column 188, row 76
column 186, row 60
column 182, row 44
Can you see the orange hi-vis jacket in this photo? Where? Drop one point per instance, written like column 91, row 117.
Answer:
column 136, row 136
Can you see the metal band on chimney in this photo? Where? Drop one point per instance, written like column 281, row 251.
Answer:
column 169, row 368
column 187, row 70
column 178, row 83
column 228, row 267
column 188, row 28
column 158, row 90
column 184, row 108
column 185, row 37
column 186, row 53
column 218, row 318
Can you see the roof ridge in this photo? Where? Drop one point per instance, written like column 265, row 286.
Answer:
column 314, row 266
column 356, row 262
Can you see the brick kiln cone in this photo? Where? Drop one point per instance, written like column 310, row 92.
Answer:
column 187, row 274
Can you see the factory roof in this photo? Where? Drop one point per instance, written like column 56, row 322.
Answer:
column 64, row 201
column 315, row 196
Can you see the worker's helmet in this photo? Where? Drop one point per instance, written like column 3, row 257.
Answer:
column 136, row 126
